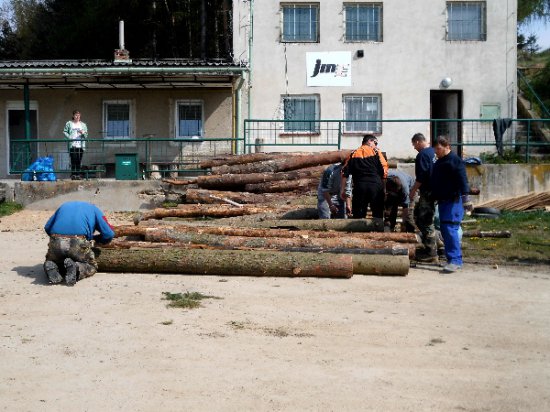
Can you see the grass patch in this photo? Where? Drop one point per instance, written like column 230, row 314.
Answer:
column 187, row 300
column 529, row 243
column 9, row 208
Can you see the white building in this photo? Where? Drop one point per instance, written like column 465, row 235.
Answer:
column 389, row 60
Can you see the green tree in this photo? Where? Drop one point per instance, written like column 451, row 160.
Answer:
column 529, row 9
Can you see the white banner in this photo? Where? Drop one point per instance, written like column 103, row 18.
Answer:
column 328, row 69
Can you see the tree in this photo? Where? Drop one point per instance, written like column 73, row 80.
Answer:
column 530, row 9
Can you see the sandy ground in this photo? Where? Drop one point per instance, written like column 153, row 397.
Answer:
column 478, row 340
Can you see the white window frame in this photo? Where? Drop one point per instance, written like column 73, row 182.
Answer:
column 461, row 36
column 289, row 128
column 187, row 102
column 315, row 37
column 131, row 119
column 380, row 28
column 369, row 120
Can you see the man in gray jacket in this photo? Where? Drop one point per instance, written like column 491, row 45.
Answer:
column 329, row 202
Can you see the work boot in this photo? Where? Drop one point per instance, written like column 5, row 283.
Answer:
column 52, row 271
column 427, row 258
column 71, row 276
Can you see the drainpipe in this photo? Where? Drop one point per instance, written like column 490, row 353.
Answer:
column 237, row 113
column 250, row 43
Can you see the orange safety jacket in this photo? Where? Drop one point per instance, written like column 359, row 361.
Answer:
column 366, row 164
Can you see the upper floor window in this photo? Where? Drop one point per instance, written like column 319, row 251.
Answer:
column 117, row 122
column 303, row 113
column 189, row 122
column 300, row 22
column 363, row 110
column 466, row 20
column 363, row 21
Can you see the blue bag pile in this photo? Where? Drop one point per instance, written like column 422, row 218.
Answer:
column 41, row 170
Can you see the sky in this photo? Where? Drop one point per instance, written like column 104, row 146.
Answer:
column 541, row 29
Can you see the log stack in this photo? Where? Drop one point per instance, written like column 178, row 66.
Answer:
column 215, row 232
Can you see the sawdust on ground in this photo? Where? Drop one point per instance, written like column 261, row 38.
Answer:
column 478, row 340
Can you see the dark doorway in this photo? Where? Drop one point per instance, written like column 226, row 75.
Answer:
column 22, row 152
column 447, row 104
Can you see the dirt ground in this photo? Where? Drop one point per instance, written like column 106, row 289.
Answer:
column 478, row 340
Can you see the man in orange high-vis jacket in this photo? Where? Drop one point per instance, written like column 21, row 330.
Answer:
column 369, row 168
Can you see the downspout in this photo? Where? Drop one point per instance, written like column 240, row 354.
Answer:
column 250, row 43
column 237, row 114
column 26, row 102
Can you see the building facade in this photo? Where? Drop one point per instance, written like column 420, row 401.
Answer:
column 378, row 60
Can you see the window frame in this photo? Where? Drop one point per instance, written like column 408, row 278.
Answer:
column 286, row 38
column 315, row 123
column 380, row 29
column 188, row 102
column 131, row 117
column 450, row 36
column 378, row 124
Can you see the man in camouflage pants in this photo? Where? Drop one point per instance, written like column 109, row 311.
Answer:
column 424, row 209
column 71, row 230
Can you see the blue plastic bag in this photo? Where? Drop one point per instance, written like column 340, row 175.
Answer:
column 41, row 170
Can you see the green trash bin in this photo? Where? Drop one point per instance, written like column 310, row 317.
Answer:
column 126, row 166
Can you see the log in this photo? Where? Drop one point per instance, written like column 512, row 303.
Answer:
column 487, row 233
column 315, row 244
column 180, row 182
column 140, row 230
column 224, row 262
column 212, row 197
column 188, row 211
column 244, row 158
column 299, row 185
column 381, row 265
column 286, row 163
column 240, row 180
column 340, row 225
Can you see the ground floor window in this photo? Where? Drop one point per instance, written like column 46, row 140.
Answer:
column 363, row 110
column 117, row 119
column 189, row 115
column 302, row 113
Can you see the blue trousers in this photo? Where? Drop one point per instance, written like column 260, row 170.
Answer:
column 451, row 213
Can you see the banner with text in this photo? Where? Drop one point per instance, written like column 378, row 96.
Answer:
column 328, row 69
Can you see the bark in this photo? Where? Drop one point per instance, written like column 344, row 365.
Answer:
column 314, row 243
column 188, row 211
column 381, row 265
column 490, row 233
column 300, row 185
column 213, row 197
column 243, row 159
column 140, row 230
column 240, row 180
column 341, row 225
column 224, row 262
column 182, row 182
column 286, row 163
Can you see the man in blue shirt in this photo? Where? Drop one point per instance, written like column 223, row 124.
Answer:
column 398, row 186
column 71, row 229
column 329, row 202
column 450, row 189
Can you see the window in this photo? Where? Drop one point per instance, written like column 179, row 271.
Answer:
column 363, row 22
column 116, row 119
column 189, row 123
column 466, row 20
column 300, row 23
column 303, row 113
column 363, row 110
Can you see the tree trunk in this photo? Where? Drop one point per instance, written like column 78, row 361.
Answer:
column 243, row 159
column 240, row 180
column 224, row 262
column 187, row 211
column 213, row 197
column 300, row 185
column 131, row 230
column 341, row 225
column 490, row 233
column 286, row 163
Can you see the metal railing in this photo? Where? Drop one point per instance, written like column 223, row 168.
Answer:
column 522, row 135
column 156, row 157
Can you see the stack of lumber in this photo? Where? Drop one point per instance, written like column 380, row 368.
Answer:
column 529, row 201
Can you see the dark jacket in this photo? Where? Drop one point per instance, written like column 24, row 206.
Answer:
column 366, row 165
column 449, row 180
column 423, row 165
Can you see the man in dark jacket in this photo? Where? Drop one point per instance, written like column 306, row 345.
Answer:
column 71, row 229
column 450, row 189
column 424, row 209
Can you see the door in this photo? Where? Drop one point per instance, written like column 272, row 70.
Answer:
column 447, row 104
column 22, row 152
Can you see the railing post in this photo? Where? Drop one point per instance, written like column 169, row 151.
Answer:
column 528, row 138
column 339, row 135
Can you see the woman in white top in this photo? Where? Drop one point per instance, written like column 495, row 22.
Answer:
column 76, row 131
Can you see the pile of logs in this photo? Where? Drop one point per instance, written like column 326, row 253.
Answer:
column 258, row 184
column 529, row 201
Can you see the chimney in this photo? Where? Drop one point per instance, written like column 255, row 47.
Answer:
column 121, row 54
